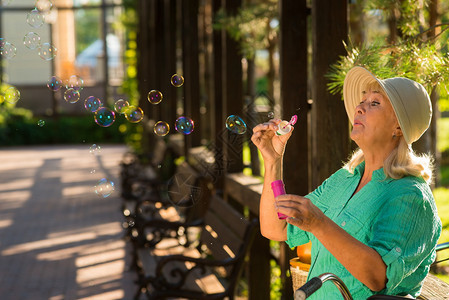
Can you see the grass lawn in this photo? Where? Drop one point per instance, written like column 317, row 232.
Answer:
column 441, row 193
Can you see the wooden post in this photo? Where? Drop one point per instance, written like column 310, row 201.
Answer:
column 330, row 126
column 253, row 119
column 217, row 103
column 145, row 74
column 232, row 94
column 169, row 104
column 157, row 62
column 191, row 68
column 293, row 73
column 259, row 281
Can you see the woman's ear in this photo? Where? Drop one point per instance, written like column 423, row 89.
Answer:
column 397, row 131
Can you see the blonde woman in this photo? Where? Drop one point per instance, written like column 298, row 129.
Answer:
column 374, row 222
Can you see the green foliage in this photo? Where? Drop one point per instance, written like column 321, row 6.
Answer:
column 129, row 20
column 252, row 26
column 421, row 62
column 443, row 102
column 444, row 176
column 276, row 284
column 441, row 195
column 87, row 29
column 19, row 127
column 413, row 55
column 407, row 13
column 443, row 136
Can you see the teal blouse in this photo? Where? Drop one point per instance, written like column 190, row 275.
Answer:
column 396, row 217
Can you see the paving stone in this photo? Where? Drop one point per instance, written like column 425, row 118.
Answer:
column 58, row 238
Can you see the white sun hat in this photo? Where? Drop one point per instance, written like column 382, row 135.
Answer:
column 410, row 100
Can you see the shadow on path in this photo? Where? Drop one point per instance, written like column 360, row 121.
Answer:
column 58, row 239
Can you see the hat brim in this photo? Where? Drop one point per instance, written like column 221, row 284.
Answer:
column 356, row 79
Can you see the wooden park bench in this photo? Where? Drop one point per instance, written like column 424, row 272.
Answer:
column 433, row 287
column 144, row 183
column 208, row 270
column 181, row 204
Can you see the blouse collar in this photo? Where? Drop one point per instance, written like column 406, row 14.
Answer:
column 378, row 175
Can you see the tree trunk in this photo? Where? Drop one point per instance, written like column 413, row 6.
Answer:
column 330, row 126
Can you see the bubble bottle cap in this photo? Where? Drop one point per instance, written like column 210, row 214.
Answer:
column 283, row 128
column 278, row 189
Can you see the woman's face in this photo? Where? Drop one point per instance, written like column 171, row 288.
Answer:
column 374, row 121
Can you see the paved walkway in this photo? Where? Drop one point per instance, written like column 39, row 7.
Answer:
column 58, row 239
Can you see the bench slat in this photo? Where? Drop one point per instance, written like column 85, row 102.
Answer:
column 434, row 288
column 232, row 218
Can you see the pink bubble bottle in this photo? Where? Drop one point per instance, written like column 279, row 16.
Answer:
column 278, row 189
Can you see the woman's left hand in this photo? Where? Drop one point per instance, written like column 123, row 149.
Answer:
column 301, row 211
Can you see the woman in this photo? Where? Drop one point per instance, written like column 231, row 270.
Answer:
column 374, row 222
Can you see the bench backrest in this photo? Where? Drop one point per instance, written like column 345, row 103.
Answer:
column 227, row 235
column 190, row 192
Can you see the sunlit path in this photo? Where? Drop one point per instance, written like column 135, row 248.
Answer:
column 58, row 238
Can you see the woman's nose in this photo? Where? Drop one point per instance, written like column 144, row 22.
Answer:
column 360, row 109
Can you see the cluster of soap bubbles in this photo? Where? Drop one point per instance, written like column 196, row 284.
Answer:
column 133, row 114
column 74, row 84
column 103, row 116
column 183, row 124
column 32, row 40
column 36, row 18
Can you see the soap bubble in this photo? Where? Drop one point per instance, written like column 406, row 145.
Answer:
column 134, row 114
column 71, row 96
column 104, row 117
column 236, row 124
column 47, row 51
column 43, row 5
column 104, row 188
column 9, row 50
column 271, row 115
column 35, row 18
column 54, row 83
column 41, row 123
column 161, row 128
column 177, row 80
column 92, row 104
column 184, row 125
column 155, row 97
column 2, row 43
column 32, row 40
column 95, row 149
column 120, row 105
column 12, row 94
column 181, row 192
column 75, row 82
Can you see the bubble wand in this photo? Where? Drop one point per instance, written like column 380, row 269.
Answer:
column 292, row 121
column 285, row 127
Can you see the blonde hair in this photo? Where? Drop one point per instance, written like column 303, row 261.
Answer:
column 375, row 86
column 401, row 162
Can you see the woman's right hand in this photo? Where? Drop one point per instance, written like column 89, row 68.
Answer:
column 271, row 145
